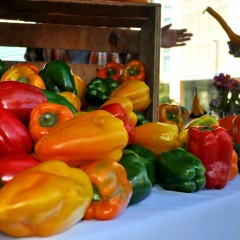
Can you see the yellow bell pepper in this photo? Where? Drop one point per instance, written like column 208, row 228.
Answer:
column 44, row 200
column 137, row 91
column 156, row 136
column 86, row 138
column 24, row 74
column 205, row 120
column 127, row 105
column 72, row 98
column 80, row 86
column 181, row 138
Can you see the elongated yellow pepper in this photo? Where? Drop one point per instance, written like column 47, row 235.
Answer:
column 44, row 200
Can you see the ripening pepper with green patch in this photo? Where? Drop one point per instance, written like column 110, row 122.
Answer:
column 179, row 170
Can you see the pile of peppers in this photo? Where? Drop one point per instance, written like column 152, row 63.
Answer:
column 85, row 150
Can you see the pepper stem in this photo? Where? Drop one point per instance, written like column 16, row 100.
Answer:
column 96, row 194
column 48, row 120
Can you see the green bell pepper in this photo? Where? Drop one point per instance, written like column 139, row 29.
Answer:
column 3, row 67
column 147, row 158
column 53, row 97
column 137, row 175
column 141, row 119
column 99, row 90
column 180, row 170
column 58, row 77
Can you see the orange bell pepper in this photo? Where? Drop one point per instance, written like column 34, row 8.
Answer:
column 112, row 190
column 72, row 98
column 44, row 200
column 137, row 91
column 80, row 86
column 86, row 138
column 134, row 69
column 45, row 116
column 23, row 74
column 127, row 105
column 156, row 136
column 234, row 166
column 33, row 66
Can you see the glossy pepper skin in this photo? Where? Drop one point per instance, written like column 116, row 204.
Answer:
column 156, row 136
column 171, row 113
column 112, row 190
column 137, row 91
column 73, row 141
column 205, row 120
column 99, row 90
column 137, row 175
column 111, row 70
column 51, row 196
column 118, row 111
column 25, row 74
column 14, row 136
column 147, row 157
column 58, row 77
column 134, row 69
column 3, row 67
column 53, row 97
column 234, row 166
column 20, row 98
column 11, row 165
column 45, row 116
column 179, row 170
column 213, row 146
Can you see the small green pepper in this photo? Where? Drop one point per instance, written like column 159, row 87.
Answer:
column 99, row 90
column 58, row 77
column 180, row 170
column 3, row 67
column 137, row 175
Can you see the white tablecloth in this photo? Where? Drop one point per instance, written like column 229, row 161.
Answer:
column 168, row 215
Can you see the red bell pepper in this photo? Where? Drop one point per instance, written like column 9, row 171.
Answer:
column 14, row 136
column 118, row 111
column 134, row 69
column 11, row 165
column 20, row 98
column 213, row 146
column 111, row 70
column 236, row 129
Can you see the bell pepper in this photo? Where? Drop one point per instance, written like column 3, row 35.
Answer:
column 111, row 70
column 33, row 66
column 213, row 146
column 84, row 139
column 111, row 190
column 45, row 116
column 234, row 166
column 156, row 136
column 98, row 90
column 236, row 147
column 134, row 69
column 14, row 136
column 181, row 140
column 137, row 175
column 227, row 123
column 118, row 111
column 137, row 91
column 20, row 98
column 171, row 113
column 205, row 120
column 53, row 97
column 80, row 86
column 11, row 165
column 179, row 170
column 72, row 98
column 3, row 67
column 236, row 129
column 25, row 74
column 44, row 200
column 141, row 119
column 58, row 77
column 126, row 104
column 147, row 157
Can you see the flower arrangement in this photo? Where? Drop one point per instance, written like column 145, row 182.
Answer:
column 227, row 101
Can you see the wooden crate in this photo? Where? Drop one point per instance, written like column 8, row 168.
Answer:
column 87, row 25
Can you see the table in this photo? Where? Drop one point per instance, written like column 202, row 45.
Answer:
column 168, row 215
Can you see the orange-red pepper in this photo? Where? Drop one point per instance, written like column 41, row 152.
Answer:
column 234, row 166
column 112, row 190
column 45, row 116
column 236, row 129
column 33, row 66
column 111, row 70
column 171, row 113
column 134, row 69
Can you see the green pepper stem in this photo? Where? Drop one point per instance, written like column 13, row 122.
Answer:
column 48, row 120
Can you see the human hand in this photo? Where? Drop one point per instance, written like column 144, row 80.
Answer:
column 174, row 38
